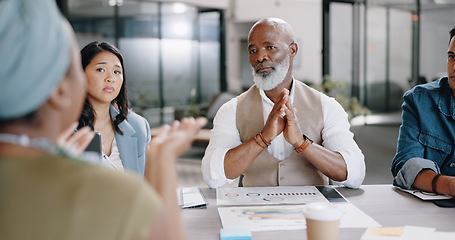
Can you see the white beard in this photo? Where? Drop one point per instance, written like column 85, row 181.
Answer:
column 270, row 81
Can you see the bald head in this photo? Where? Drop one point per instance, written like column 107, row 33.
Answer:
column 276, row 25
column 271, row 50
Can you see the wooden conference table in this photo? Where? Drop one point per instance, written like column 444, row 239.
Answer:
column 384, row 203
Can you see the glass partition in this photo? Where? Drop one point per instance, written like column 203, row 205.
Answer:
column 388, row 57
column 209, row 52
column 341, row 43
column 385, row 46
column 171, row 51
column 435, row 26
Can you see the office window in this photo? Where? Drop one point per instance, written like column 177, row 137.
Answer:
column 171, row 50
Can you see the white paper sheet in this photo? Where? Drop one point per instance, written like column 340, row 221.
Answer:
column 411, row 233
column 191, row 198
column 426, row 196
column 287, row 217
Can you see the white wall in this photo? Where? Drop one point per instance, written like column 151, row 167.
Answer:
column 306, row 18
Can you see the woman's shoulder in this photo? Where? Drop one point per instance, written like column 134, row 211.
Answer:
column 100, row 193
column 125, row 189
column 140, row 125
column 134, row 117
column 64, row 174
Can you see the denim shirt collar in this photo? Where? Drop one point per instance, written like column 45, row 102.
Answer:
column 446, row 100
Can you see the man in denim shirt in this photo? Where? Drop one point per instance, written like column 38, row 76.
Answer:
column 425, row 155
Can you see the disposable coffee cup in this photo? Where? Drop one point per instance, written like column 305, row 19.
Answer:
column 322, row 221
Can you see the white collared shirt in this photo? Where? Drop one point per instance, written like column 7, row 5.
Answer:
column 336, row 136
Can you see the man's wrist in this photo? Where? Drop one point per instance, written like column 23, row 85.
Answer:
column 433, row 183
column 306, row 142
column 305, row 137
column 446, row 185
column 261, row 140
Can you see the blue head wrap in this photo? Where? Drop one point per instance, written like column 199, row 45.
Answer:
column 34, row 54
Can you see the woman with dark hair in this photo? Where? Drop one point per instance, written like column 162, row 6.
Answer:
column 124, row 134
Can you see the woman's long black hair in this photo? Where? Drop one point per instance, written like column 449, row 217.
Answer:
column 121, row 101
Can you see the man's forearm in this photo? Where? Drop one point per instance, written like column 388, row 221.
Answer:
column 238, row 159
column 330, row 163
column 426, row 181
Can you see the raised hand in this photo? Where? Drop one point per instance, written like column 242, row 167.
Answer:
column 164, row 149
column 275, row 123
column 292, row 132
column 75, row 142
column 177, row 138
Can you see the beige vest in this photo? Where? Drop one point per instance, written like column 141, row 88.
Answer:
column 267, row 170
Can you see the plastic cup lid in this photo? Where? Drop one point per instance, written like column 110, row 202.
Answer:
column 322, row 211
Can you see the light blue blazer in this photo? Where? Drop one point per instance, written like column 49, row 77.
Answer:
column 132, row 145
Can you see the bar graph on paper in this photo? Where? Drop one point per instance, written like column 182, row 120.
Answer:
column 268, row 195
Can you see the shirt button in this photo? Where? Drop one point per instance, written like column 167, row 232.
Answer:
column 281, row 153
column 452, row 165
column 281, row 178
column 281, row 164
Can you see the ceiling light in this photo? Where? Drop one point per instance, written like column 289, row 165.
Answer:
column 179, row 8
column 115, row 2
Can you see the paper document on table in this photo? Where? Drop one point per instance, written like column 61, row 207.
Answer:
column 427, row 196
column 268, row 195
column 287, row 217
column 191, row 198
column 405, row 233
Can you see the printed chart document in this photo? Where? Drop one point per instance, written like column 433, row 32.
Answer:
column 287, row 217
column 268, row 195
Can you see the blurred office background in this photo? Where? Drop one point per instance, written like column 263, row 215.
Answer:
column 188, row 57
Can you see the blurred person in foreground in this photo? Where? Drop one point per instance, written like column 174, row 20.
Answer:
column 280, row 131
column 46, row 193
column 424, row 158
